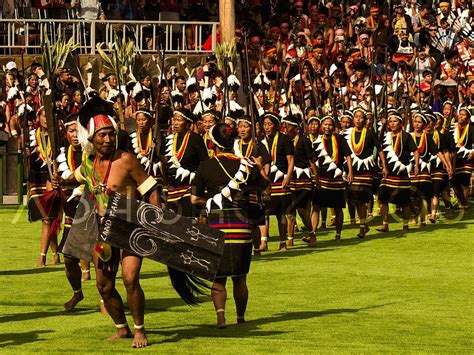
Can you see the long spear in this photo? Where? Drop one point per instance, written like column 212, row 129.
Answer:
column 156, row 128
column 250, row 95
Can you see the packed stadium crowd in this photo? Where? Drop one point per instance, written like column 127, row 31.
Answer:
column 328, row 105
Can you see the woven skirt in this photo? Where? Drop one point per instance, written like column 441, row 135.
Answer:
column 395, row 189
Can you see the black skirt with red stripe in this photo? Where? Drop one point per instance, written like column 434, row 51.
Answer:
column 238, row 240
column 395, row 189
column 421, row 186
column 331, row 192
column 361, row 188
column 463, row 172
column 280, row 199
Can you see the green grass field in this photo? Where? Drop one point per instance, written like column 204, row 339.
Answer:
column 389, row 293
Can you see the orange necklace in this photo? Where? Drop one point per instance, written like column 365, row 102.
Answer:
column 358, row 147
column 462, row 137
column 249, row 148
column 335, row 148
column 148, row 143
column 178, row 153
column 398, row 143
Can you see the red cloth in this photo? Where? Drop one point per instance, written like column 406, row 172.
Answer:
column 207, row 46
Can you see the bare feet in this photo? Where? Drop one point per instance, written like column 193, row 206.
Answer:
column 263, row 246
column 363, row 231
column 312, row 241
column 139, row 339
column 290, row 243
column 337, row 238
column 41, row 261
column 221, row 319
column 240, row 320
column 86, row 275
column 56, row 259
column 75, row 299
column 122, row 333
column 405, row 228
column 283, row 246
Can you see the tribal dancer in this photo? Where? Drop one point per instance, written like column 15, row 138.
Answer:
column 439, row 175
column 142, row 144
column 395, row 187
column 184, row 151
column 362, row 141
column 331, row 149
column 209, row 119
column 40, row 172
column 463, row 135
column 421, row 184
column 301, row 184
column 281, row 150
column 223, row 185
column 244, row 148
column 110, row 169
column 69, row 159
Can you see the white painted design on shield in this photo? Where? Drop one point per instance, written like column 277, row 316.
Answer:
column 189, row 258
column 149, row 216
column 196, row 235
column 138, row 238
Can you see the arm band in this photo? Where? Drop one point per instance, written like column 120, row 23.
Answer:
column 146, row 185
column 79, row 177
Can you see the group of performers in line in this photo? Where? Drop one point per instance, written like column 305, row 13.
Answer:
column 234, row 172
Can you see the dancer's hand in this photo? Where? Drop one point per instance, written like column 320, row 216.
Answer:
column 56, row 182
column 385, row 171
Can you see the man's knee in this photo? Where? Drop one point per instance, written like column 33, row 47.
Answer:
column 105, row 286
column 130, row 281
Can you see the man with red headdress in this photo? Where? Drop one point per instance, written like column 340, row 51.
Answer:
column 110, row 169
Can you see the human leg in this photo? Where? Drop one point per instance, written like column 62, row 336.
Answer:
column 105, row 281
column 282, row 228
column 131, row 265
column 338, row 220
column 241, row 296
column 73, row 274
column 219, row 296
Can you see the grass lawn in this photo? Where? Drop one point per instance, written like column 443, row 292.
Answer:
column 391, row 292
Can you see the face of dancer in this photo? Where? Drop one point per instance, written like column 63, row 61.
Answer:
column 181, row 85
column 71, row 134
column 327, row 127
column 446, row 110
column 463, row 118
column 208, row 121
column 394, row 124
column 269, row 127
column 104, row 141
column 194, row 97
column 180, row 124
column 359, row 120
column 313, row 127
column 142, row 123
column 33, row 81
column 245, row 130
column 418, row 124
column 291, row 130
column 346, row 123
column 42, row 119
